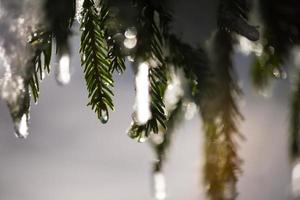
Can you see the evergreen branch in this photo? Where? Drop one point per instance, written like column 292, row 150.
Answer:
column 117, row 62
column 281, row 28
column 153, row 26
column 41, row 43
column 194, row 63
column 222, row 161
column 264, row 68
column 280, row 39
column 94, row 58
column 233, row 16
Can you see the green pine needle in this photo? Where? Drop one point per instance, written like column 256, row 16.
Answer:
column 41, row 43
column 94, row 59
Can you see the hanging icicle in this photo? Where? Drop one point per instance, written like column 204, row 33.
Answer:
column 79, row 8
column 142, row 101
column 18, row 19
column 159, row 183
column 18, row 102
column 63, row 75
column 296, row 180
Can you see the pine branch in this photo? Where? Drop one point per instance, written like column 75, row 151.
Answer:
column 281, row 33
column 233, row 16
column 195, row 65
column 153, row 27
column 41, row 43
column 222, row 161
column 264, row 68
column 94, row 58
column 281, row 26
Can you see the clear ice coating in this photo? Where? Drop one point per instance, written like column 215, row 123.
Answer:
column 159, row 185
column 142, row 101
column 18, row 19
column 63, row 75
column 79, row 8
column 21, row 126
column 247, row 47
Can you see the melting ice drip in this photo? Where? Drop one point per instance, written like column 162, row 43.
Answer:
column 63, row 76
column 21, row 126
column 296, row 180
column 18, row 19
column 247, row 47
column 142, row 101
column 159, row 185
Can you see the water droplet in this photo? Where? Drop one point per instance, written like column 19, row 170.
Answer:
column 131, row 33
column 63, row 76
column 21, row 126
column 159, row 185
column 130, row 43
column 130, row 58
column 276, row 72
column 279, row 73
column 157, row 138
column 103, row 115
column 142, row 138
column 135, row 132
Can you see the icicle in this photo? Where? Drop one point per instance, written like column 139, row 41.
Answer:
column 63, row 76
column 17, row 98
column 79, row 8
column 296, row 180
column 159, row 185
column 142, row 101
column 21, row 126
column 18, row 20
column 190, row 110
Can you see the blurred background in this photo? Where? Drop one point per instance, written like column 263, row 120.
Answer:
column 71, row 155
